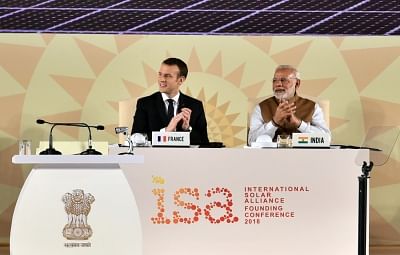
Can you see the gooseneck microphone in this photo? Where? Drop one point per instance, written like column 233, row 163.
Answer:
column 90, row 150
column 52, row 151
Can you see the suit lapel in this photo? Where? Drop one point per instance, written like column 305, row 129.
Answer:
column 182, row 102
column 160, row 108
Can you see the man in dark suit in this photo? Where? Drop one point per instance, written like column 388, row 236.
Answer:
column 169, row 109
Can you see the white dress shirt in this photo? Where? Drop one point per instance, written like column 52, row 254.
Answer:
column 165, row 98
column 175, row 98
column 259, row 128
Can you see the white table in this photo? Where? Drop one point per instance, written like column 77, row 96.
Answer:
column 194, row 201
column 60, row 184
column 320, row 219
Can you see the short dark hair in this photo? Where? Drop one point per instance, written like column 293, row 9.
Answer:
column 183, row 69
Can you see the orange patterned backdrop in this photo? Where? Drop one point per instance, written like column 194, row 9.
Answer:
column 82, row 78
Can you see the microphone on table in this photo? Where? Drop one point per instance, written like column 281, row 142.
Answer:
column 52, row 151
column 90, row 150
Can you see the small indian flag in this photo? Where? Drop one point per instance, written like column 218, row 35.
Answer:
column 303, row 139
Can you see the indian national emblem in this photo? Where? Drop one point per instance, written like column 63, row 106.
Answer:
column 77, row 206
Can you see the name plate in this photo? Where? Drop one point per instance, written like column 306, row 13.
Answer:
column 310, row 140
column 170, row 139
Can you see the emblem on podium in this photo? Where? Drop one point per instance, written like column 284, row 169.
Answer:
column 77, row 207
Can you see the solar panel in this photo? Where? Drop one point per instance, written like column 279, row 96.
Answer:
column 65, row 4
column 38, row 19
column 317, row 5
column 275, row 22
column 235, row 5
column 358, row 23
column 379, row 5
column 268, row 17
column 20, row 3
column 112, row 21
column 193, row 21
column 3, row 12
column 157, row 5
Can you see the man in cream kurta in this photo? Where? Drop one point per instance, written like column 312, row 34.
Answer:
column 286, row 112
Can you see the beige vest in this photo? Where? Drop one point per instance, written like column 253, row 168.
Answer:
column 304, row 111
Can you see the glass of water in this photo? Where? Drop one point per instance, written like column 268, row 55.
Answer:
column 284, row 141
column 25, row 147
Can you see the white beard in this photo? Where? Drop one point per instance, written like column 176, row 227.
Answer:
column 280, row 96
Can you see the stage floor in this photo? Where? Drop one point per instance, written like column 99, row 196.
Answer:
column 375, row 250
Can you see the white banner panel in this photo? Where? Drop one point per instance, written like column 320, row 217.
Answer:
column 235, row 201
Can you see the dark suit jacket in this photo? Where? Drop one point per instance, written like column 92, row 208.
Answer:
column 151, row 116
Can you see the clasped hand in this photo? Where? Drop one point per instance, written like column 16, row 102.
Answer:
column 285, row 115
column 184, row 115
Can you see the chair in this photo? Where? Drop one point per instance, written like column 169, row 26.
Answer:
column 126, row 109
column 324, row 104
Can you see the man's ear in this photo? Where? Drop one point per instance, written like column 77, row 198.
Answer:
column 181, row 79
column 297, row 83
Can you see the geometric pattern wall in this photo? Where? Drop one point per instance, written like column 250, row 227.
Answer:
column 69, row 77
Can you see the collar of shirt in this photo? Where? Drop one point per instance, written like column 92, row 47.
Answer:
column 175, row 98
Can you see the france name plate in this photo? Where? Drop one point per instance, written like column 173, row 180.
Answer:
column 171, row 139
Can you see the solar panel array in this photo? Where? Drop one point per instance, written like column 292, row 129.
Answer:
column 214, row 17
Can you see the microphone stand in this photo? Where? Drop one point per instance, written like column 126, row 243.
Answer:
column 124, row 130
column 130, row 143
column 362, row 206
column 51, row 150
column 90, row 150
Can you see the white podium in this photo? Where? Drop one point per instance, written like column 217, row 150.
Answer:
column 76, row 204
column 184, row 201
